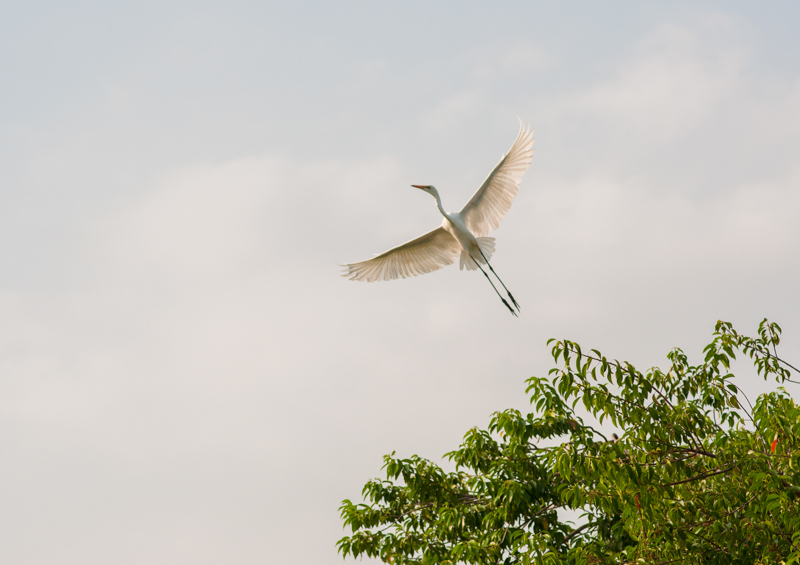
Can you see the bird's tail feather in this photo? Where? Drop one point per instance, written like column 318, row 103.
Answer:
column 487, row 246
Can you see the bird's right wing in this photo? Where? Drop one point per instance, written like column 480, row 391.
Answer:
column 489, row 204
column 429, row 252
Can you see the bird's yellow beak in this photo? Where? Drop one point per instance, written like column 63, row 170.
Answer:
column 419, row 186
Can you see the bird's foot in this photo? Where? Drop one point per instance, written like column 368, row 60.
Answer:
column 510, row 309
column 512, row 300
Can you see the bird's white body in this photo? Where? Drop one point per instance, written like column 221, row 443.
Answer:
column 462, row 233
column 455, row 226
column 479, row 248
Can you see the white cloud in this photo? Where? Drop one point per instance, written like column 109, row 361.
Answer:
column 523, row 57
column 453, row 110
column 212, row 388
column 671, row 84
column 517, row 60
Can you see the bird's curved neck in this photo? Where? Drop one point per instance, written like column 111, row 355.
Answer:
column 439, row 205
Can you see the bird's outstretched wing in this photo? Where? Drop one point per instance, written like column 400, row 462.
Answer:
column 429, row 252
column 489, row 205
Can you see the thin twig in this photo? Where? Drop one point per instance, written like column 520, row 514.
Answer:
column 699, row 477
column 575, row 532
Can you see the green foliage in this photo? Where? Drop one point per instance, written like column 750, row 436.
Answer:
column 698, row 474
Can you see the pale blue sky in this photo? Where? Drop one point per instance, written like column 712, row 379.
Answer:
column 185, row 377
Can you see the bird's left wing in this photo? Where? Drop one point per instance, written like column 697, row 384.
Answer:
column 429, row 252
column 489, row 205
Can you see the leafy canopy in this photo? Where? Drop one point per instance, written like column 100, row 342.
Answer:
column 698, row 474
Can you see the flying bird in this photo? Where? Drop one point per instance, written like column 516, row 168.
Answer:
column 463, row 235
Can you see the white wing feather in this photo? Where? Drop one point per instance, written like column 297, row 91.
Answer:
column 429, row 252
column 491, row 202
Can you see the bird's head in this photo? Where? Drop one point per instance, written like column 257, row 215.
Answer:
column 430, row 189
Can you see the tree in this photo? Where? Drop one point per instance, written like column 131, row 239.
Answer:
column 698, row 474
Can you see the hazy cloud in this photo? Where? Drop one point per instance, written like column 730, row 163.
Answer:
column 197, row 383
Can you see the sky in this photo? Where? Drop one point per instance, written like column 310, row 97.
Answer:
column 185, row 377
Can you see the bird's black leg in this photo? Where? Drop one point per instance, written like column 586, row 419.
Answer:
column 510, row 309
column 498, row 278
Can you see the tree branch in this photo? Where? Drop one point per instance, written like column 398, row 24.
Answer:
column 699, row 477
column 576, row 531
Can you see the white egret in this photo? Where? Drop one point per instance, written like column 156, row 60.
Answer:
column 462, row 233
